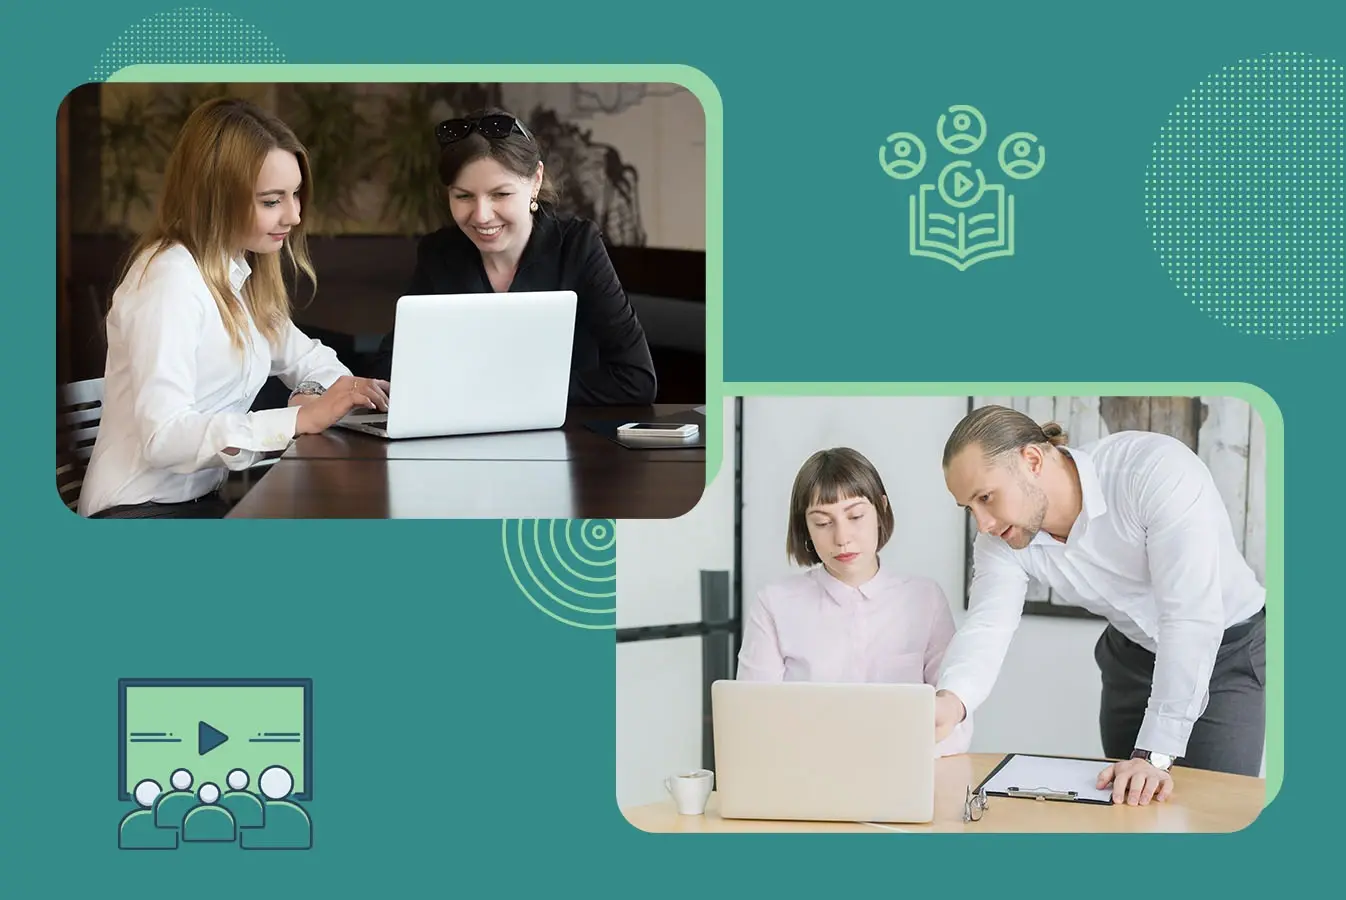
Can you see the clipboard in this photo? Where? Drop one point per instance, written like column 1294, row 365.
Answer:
column 1063, row 779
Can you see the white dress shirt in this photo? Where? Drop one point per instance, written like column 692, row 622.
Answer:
column 1152, row 552
column 811, row 627
column 176, row 393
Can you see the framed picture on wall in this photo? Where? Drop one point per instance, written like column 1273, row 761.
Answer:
column 1225, row 432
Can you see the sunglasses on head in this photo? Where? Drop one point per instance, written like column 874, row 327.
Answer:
column 494, row 127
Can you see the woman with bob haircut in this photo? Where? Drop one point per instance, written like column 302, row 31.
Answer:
column 847, row 618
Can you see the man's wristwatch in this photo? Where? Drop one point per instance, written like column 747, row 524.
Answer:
column 1160, row 761
column 308, row 387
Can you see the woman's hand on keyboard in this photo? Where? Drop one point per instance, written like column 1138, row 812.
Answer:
column 346, row 393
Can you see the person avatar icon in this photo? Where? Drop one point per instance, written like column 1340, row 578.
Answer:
column 137, row 830
column 208, row 821
column 1021, row 145
column 172, row 807
column 244, row 806
column 288, row 826
column 968, row 132
column 908, row 157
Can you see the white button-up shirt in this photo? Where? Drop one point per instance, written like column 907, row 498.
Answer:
column 176, row 393
column 811, row 627
column 1152, row 552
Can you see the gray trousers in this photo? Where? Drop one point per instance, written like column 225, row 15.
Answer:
column 1229, row 735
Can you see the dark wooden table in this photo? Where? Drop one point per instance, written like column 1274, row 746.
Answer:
column 568, row 473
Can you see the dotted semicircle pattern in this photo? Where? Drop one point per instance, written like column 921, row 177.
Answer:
column 1245, row 196
column 188, row 35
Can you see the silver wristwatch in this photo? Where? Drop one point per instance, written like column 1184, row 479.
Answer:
column 1160, row 761
column 308, row 387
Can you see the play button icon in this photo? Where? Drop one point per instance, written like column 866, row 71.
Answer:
column 208, row 738
column 961, row 184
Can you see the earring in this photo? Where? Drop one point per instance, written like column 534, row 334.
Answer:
column 533, row 206
column 808, row 545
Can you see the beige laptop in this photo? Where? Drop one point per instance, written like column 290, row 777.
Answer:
column 824, row 752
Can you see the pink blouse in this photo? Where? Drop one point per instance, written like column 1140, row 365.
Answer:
column 893, row 629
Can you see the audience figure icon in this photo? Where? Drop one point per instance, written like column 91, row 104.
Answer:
column 163, row 819
column 137, row 831
column 288, row 826
column 171, row 808
column 246, row 809
column 208, row 822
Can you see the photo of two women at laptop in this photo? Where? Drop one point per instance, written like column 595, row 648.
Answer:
column 231, row 280
column 1065, row 576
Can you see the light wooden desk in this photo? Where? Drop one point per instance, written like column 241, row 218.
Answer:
column 1201, row 802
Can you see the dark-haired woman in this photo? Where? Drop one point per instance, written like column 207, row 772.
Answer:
column 847, row 618
column 506, row 236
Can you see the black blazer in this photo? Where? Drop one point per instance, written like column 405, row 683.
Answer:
column 610, row 361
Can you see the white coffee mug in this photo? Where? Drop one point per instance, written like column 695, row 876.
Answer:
column 691, row 790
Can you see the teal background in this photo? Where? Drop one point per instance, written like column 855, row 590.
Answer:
column 504, row 779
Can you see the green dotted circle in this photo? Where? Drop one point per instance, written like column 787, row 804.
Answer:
column 1245, row 196
column 188, row 35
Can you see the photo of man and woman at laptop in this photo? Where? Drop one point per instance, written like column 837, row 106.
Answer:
column 287, row 300
column 918, row 613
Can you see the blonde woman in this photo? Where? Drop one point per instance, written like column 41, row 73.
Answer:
column 201, row 319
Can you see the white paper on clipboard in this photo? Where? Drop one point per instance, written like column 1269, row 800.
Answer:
column 1048, row 774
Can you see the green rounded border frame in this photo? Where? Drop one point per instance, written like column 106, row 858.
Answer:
column 692, row 79
column 1272, row 421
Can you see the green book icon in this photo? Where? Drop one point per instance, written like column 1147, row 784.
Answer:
column 961, row 219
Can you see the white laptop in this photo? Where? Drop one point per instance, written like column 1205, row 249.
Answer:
column 476, row 364
column 824, row 752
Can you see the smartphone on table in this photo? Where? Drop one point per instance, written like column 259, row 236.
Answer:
column 671, row 431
